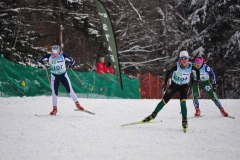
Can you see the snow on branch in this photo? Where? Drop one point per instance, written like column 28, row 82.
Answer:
column 130, row 64
column 194, row 17
column 235, row 39
column 233, row 70
column 36, row 9
column 15, row 10
column 74, row 1
column 4, row 14
column 138, row 48
column 136, row 11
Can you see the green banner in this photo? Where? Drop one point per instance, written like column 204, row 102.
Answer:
column 110, row 38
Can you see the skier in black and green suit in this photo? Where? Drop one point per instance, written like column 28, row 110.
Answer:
column 180, row 75
column 208, row 84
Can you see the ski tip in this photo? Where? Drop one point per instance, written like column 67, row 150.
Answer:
column 85, row 111
column 88, row 112
column 137, row 122
column 185, row 130
column 132, row 123
column 231, row 117
column 195, row 116
column 44, row 115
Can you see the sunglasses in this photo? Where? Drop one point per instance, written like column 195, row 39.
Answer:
column 55, row 48
column 197, row 62
column 183, row 58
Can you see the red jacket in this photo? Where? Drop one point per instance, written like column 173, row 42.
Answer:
column 101, row 67
column 110, row 70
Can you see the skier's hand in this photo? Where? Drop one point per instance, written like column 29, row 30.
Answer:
column 164, row 87
column 198, row 82
column 70, row 66
column 40, row 65
column 214, row 87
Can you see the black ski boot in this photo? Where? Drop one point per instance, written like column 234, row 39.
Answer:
column 149, row 118
column 184, row 125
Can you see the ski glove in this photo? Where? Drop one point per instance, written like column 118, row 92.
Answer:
column 164, row 87
column 198, row 82
column 214, row 87
column 42, row 64
column 70, row 65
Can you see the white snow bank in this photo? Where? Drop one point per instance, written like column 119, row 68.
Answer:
column 77, row 135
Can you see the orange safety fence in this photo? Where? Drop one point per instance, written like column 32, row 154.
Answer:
column 151, row 86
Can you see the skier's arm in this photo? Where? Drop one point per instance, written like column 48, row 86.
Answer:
column 211, row 74
column 44, row 59
column 69, row 59
column 169, row 73
column 198, row 74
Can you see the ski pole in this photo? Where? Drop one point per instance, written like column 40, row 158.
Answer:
column 47, row 76
column 81, row 81
column 77, row 77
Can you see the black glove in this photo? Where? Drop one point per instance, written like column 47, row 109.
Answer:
column 70, row 66
column 164, row 87
column 42, row 65
column 214, row 87
column 198, row 82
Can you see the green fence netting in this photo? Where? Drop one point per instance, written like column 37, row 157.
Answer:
column 19, row 80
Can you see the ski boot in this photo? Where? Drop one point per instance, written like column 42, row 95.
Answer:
column 149, row 118
column 224, row 113
column 198, row 112
column 184, row 125
column 79, row 106
column 54, row 111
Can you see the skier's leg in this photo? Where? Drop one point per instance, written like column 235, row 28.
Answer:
column 195, row 94
column 183, row 108
column 167, row 96
column 67, row 84
column 184, row 114
column 183, row 97
column 54, row 87
column 213, row 96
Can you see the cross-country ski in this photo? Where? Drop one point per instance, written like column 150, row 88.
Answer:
column 136, row 123
column 84, row 110
column 44, row 115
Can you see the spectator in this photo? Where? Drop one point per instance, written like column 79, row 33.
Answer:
column 101, row 67
column 109, row 68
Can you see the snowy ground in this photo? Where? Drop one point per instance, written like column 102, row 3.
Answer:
column 77, row 135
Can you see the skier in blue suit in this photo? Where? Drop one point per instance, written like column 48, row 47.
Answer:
column 208, row 84
column 57, row 61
